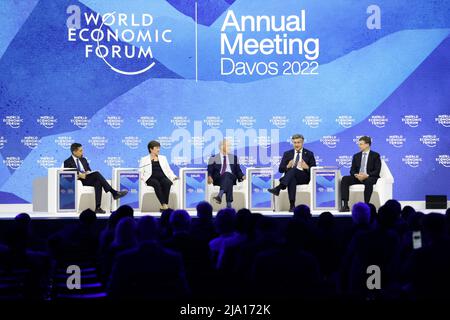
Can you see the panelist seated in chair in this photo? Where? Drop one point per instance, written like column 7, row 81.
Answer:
column 89, row 177
column 366, row 167
column 156, row 172
column 295, row 164
column 223, row 171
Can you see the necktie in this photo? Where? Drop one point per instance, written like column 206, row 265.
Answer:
column 363, row 164
column 297, row 159
column 78, row 166
column 224, row 165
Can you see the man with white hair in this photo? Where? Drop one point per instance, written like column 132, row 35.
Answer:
column 224, row 170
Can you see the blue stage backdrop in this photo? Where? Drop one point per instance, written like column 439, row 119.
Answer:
column 114, row 74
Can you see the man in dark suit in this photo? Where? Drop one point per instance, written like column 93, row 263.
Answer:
column 366, row 167
column 89, row 178
column 296, row 165
column 224, row 170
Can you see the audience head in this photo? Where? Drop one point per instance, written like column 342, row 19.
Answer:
column 23, row 223
column 146, row 229
column 302, row 213
column 20, row 233
column 434, row 226
column 407, row 211
column 326, row 220
column 125, row 235
column 225, row 220
column 395, row 208
column 204, row 211
column 87, row 217
column 387, row 216
column 361, row 213
column 180, row 221
column 266, row 228
column 244, row 221
column 125, row 211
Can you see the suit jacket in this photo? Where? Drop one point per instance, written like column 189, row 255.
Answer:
column 307, row 156
column 215, row 166
column 70, row 163
column 145, row 166
column 373, row 164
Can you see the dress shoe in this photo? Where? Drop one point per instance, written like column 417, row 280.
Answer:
column 291, row 209
column 345, row 209
column 100, row 210
column 120, row 194
column 218, row 199
column 274, row 191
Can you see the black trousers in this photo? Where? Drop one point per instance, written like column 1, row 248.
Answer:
column 291, row 179
column 97, row 181
column 162, row 187
column 347, row 181
column 226, row 182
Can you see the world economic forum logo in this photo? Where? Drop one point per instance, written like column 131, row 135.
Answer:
column 80, row 121
column 312, row 121
column 214, row 122
column 344, row 161
column 131, row 142
column 412, row 160
column 430, row 140
column 330, row 141
column 396, row 140
column 181, row 122
column 3, row 141
column 47, row 122
column 30, row 141
column 412, row 120
column 114, row 122
column 148, row 122
column 444, row 160
column 123, row 41
column 443, row 119
column 13, row 162
column 345, row 121
column 279, row 121
column 379, row 121
column 64, row 141
column 47, row 162
column 246, row 121
column 114, row 161
column 98, row 142
column 13, row 121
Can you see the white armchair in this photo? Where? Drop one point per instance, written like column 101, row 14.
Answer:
column 86, row 198
column 85, row 195
column 150, row 203
column 239, row 196
column 303, row 196
column 382, row 190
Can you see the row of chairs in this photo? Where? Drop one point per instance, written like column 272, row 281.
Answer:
column 382, row 192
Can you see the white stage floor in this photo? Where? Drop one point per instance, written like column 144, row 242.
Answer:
column 74, row 215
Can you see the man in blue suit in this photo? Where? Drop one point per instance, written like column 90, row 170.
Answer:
column 295, row 164
column 89, row 177
column 224, row 170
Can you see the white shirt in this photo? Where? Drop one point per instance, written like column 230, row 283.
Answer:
column 81, row 164
column 228, row 169
column 299, row 164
